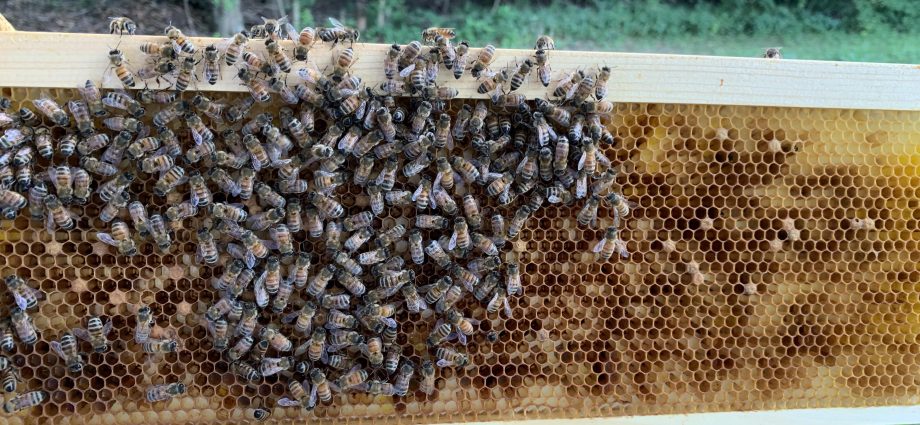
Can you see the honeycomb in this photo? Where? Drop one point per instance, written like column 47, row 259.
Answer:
column 773, row 265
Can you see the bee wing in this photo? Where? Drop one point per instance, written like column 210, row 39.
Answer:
column 107, row 327
column 56, row 346
column 444, row 363
column 336, row 23
column 599, row 246
column 507, row 307
column 21, row 302
column 260, row 291
column 286, row 402
column 581, row 188
column 312, row 401
column 404, row 73
column 290, row 32
column 256, row 164
column 290, row 317
column 453, row 241
column 581, row 161
column 49, row 223
column 81, row 333
column 389, row 322
column 35, row 292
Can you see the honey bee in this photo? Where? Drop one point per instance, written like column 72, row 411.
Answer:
column 144, row 319
column 299, row 396
column 248, row 320
column 117, row 61
column 461, row 235
column 25, row 296
column 374, row 256
column 62, row 179
column 357, row 221
column 95, row 333
column 317, row 285
column 611, row 243
column 499, row 300
column 449, row 357
column 207, row 246
column 543, row 68
column 390, row 65
column 314, row 223
column 500, row 184
column 306, row 39
column 358, row 238
column 464, row 326
column 141, row 147
column 299, row 271
column 303, row 319
column 773, row 53
column 57, row 214
column 278, row 341
column 218, row 329
column 257, row 414
column 269, row 196
column 121, row 25
column 587, row 216
column 484, row 244
column 22, row 324
column 35, row 200
column 93, row 98
column 434, row 250
column 158, row 97
column 24, row 401
column 278, row 56
column 409, row 54
column 49, row 108
column 273, row 365
column 414, row 302
column 173, row 175
column 224, row 211
column 415, row 246
column 156, row 393
column 211, row 64
column 621, row 205
column 427, row 382
column 321, row 388
column 66, row 145
column 160, row 346
column 467, row 170
column 450, row 296
column 337, row 33
column 600, row 84
column 119, row 238
column 341, row 301
column 246, row 372
column 157, row 228
column 483, row 60
column 518, row 221
column 13, row 137
column 237, row 111
column 179, row 38
column 68, row 350
column 81, row 115
column 425, row 221
column 258, row 88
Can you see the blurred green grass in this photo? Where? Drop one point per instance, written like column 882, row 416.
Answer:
column 834, row 46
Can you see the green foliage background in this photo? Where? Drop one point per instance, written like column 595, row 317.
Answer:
column 852, row 30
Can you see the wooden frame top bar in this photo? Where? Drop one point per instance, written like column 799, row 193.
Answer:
column 58, row 60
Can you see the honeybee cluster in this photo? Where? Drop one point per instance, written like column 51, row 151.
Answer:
column 18, row 326
column 308, row 293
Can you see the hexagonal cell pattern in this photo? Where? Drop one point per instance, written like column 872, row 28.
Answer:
column 773, row 264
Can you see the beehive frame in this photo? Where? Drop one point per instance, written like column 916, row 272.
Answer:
column 849, row 152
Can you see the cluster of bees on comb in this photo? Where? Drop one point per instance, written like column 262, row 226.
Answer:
column 307, row 293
